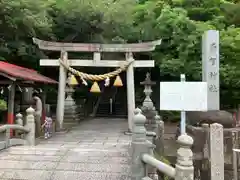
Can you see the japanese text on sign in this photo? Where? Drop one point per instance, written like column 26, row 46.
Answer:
column 210, row 62
column 213, row 86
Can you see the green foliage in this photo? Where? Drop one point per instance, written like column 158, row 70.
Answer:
column 3, row 105
column 164, row 160
column 171, row 116
column 179, row 23
column 20, row 20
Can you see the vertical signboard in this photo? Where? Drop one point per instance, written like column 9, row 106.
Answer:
column 210, row 67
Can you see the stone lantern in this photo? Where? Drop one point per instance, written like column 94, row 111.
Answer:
column 148, row 107
column 69, row 104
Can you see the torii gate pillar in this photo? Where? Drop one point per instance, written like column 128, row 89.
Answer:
column 61, row 92
column 130, row 91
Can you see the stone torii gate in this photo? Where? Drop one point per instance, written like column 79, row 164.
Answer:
column 128, row 49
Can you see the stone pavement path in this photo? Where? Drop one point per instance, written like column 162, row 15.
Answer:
column 94, row 150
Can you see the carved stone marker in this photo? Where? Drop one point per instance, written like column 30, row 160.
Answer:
column 210, row 67
column 216, row 152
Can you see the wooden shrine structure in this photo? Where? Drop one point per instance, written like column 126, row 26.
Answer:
column 96, row 49
column 15, row 76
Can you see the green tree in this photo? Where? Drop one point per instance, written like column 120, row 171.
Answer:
column 20, row 21
column 3, row 105
column 181, row 34
column 179, row 23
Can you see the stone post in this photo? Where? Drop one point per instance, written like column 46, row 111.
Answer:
column 148, row 108
column 216, row 152
column 30, row 124
column 139, row 146
column 160, row 125
column 206, row 144
column 19, row 121
column 184, row 166
column 7, row 137
column 160, row 133
column 235, row 155
column 150, row 170
column 204, row 172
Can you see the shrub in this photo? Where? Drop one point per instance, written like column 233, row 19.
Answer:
column 3, row 105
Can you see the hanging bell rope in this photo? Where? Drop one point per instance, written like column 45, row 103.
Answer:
column 94, row 77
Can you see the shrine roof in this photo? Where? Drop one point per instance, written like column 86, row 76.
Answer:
column 12, row 71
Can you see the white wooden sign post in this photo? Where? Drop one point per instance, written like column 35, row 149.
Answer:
column 183, row 96
column 183, row 113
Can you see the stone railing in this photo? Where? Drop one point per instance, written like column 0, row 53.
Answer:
column 143, row 160
column 28, row 135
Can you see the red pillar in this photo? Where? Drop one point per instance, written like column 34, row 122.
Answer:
column 11, row 98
